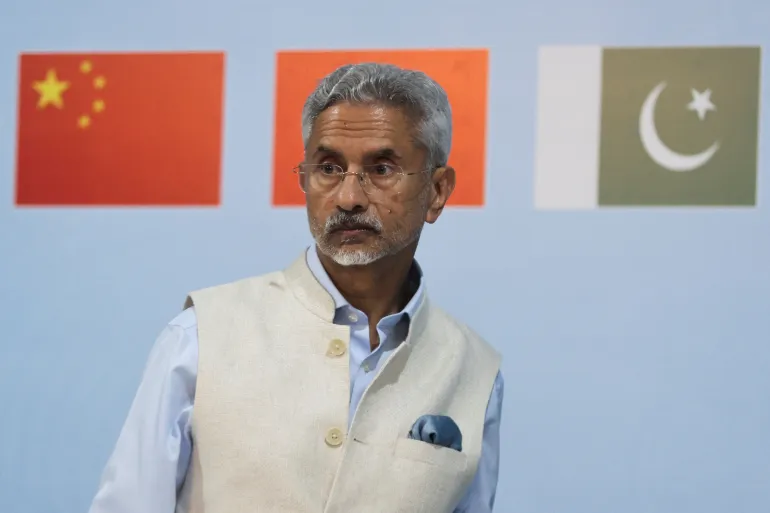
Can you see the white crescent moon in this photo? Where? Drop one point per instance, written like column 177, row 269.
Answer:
column 657, row 149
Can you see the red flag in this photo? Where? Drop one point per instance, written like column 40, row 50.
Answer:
column 139, row 129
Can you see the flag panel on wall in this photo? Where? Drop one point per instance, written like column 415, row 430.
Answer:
column 646, row 127
column 119, row 129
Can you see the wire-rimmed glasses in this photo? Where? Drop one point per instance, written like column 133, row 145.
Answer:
column 326, row 177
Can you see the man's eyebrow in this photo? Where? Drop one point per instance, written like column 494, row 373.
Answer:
column 326, row 150
column 384, row 153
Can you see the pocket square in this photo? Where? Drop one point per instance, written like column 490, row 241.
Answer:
column 438, row 430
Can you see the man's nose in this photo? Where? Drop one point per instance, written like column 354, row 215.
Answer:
column 350, row 193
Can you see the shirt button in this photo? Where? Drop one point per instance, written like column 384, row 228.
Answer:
column 353, row 317
column 336, row 348
column 366, row 367
column 334, row 437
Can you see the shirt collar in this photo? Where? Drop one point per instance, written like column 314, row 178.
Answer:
column 317, row 268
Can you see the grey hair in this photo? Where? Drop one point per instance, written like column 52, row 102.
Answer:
column 422, row 98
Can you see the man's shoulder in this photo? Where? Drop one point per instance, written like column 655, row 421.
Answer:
column 248, row 285
column 248, row 281
column 461, row 331
column 185, row 320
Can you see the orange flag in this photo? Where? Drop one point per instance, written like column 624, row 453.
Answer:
column 462, row 73
column 119, row 129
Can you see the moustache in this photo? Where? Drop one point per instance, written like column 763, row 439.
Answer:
column 360, row 221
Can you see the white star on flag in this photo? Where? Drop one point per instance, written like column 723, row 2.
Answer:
column 701, row 103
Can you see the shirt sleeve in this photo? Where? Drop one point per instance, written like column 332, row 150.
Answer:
column 150, row 459
column 480, row 497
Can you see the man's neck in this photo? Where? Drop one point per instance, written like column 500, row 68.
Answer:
column 378, row 289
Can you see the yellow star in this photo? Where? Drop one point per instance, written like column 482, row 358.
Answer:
column 98, row 105
column 86, row 67
column 50, row 90
column 84, row 121
column 100, row 82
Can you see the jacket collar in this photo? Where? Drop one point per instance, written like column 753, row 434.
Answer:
column 313, row 288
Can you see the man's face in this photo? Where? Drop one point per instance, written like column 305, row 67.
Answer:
column 357, row 224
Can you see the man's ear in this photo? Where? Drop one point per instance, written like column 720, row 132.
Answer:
column 442, row 184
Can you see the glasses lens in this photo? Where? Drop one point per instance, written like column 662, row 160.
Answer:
column 301, row 178
column 323, row 177
column 382, row 176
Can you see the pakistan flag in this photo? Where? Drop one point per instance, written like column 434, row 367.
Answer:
column 647, row 127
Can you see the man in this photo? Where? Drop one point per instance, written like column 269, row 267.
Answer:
column 301, row 391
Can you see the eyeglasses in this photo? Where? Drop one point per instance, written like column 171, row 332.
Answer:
column 326, row 177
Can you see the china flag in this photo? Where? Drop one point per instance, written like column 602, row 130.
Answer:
column 119, row 129
column 462, row 73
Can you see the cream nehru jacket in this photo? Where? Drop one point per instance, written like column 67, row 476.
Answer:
column 270, row 419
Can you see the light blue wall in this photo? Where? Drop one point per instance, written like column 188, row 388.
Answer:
column 636, row 342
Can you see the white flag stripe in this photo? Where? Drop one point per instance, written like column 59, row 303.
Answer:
column 568, row 127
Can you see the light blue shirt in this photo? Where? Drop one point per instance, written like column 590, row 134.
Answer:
column 149, row 463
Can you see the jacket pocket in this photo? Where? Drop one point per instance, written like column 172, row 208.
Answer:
column 443, row 457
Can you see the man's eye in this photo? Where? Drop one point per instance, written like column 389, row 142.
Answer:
column 328, row 168
column 383, row 169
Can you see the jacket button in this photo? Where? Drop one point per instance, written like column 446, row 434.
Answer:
column 336, row 348
column 334, row 437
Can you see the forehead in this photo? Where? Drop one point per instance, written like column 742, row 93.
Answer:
column 352, row 129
